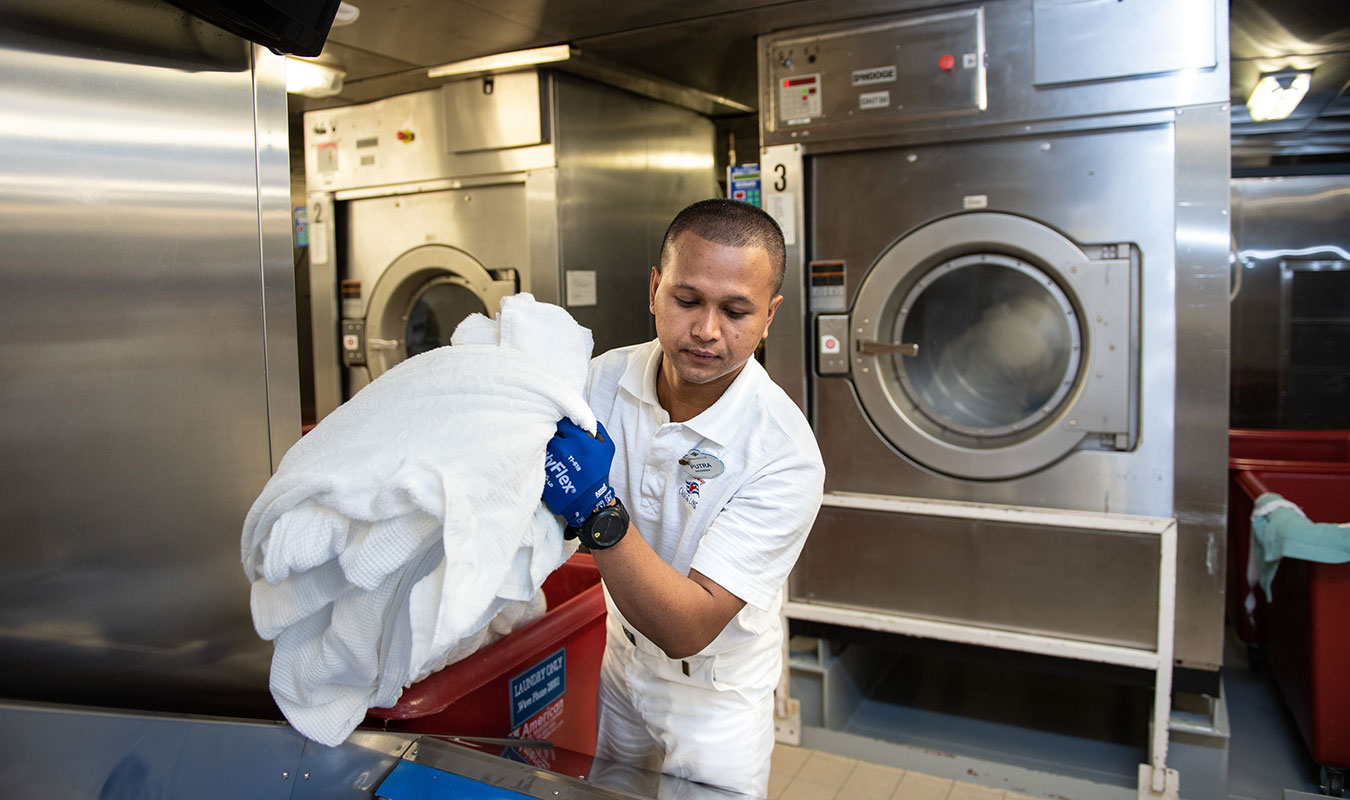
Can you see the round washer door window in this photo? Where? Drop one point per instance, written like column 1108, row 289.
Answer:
column 998, row 346
column 437, row 308
column 989, row 309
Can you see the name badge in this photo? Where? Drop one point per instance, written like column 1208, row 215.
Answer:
column 701, row 465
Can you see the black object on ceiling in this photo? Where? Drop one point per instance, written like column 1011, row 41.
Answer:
column 295, row 27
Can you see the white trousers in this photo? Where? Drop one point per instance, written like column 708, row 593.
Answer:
column 707, row 719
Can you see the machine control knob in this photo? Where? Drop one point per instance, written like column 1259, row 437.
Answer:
column 947, row 62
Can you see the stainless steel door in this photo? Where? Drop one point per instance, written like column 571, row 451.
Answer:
column 149, row 352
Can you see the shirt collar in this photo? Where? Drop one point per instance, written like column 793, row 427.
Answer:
column 639, row 379
column 719, row 421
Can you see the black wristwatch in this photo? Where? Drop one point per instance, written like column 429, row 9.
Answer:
column 603, row 528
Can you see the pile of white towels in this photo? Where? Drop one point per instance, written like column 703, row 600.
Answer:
column 406, row 530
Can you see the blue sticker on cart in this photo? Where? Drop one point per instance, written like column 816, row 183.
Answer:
column 536, row 687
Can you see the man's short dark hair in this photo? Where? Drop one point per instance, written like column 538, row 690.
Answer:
column 733, row 224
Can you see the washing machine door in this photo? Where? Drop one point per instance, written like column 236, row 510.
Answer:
column 981, row 346
column 422, row 296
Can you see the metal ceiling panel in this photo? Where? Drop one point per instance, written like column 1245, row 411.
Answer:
column 709, row 45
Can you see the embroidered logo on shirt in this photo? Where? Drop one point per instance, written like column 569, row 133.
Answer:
column 689, row 491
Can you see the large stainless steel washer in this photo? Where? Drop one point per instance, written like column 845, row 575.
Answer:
column 404, row 298
column 1008, row 289
column 428, row 206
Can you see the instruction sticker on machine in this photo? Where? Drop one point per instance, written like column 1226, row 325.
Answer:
column 534, row 689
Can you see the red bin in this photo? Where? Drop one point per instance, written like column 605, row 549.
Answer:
column 1321, row 452
column 1309, row 653
column 539, row 682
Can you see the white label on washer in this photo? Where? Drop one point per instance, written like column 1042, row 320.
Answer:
column 971, row 201
column 874, row 100
column 862, row 77
column 318, row 242
column 782, row 207
column 968, row 61
column 581, row 288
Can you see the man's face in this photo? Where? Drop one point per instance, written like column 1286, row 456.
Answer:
column 713, row 304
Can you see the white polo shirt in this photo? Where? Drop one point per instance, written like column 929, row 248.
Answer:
column 739, row 509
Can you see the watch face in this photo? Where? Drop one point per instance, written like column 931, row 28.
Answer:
column 609, row 528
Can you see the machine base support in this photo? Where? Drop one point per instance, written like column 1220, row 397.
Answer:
column 1155, row 779
column 1171, row 784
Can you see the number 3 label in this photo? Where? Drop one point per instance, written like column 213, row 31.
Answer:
column 781, row 183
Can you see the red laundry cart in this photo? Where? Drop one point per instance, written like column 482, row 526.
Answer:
column 1309, row 651
column 1314, row 452
column 537, row 683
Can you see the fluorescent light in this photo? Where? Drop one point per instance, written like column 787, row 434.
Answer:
column 1277, row 95
column 312, row 79
column 517, row 58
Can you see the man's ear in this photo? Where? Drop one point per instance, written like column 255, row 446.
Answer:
column 651, row 289
column 773, row 307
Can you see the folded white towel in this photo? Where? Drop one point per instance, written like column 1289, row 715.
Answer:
column 394, row 533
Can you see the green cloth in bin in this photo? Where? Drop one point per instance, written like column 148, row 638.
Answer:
column 1280, row 529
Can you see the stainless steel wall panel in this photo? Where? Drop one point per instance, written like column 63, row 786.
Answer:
column 1275, row 220
column 139, row 221
column 1201, row 436
column 626, row 166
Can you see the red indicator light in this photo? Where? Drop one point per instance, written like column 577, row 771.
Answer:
column 947, row 62
column 786, row 83
column 799, row 81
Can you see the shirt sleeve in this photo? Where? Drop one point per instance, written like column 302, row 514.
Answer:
column 752, row 544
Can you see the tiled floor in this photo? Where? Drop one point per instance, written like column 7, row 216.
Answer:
column 801, row 774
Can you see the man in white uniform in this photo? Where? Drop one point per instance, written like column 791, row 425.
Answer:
column 722, row 478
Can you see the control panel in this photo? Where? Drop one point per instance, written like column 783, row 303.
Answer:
column 832, row 344
column 834, row 80
column 827, row 286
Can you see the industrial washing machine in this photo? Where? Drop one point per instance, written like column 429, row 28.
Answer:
column 1007, row 313
column 429, row 206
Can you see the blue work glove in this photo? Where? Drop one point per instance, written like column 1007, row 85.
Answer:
column 576, row 472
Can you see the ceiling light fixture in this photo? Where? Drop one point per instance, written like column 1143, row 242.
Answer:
column 501, row 61
column 1277, row 95
column 346, row 14
column 312, row 79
